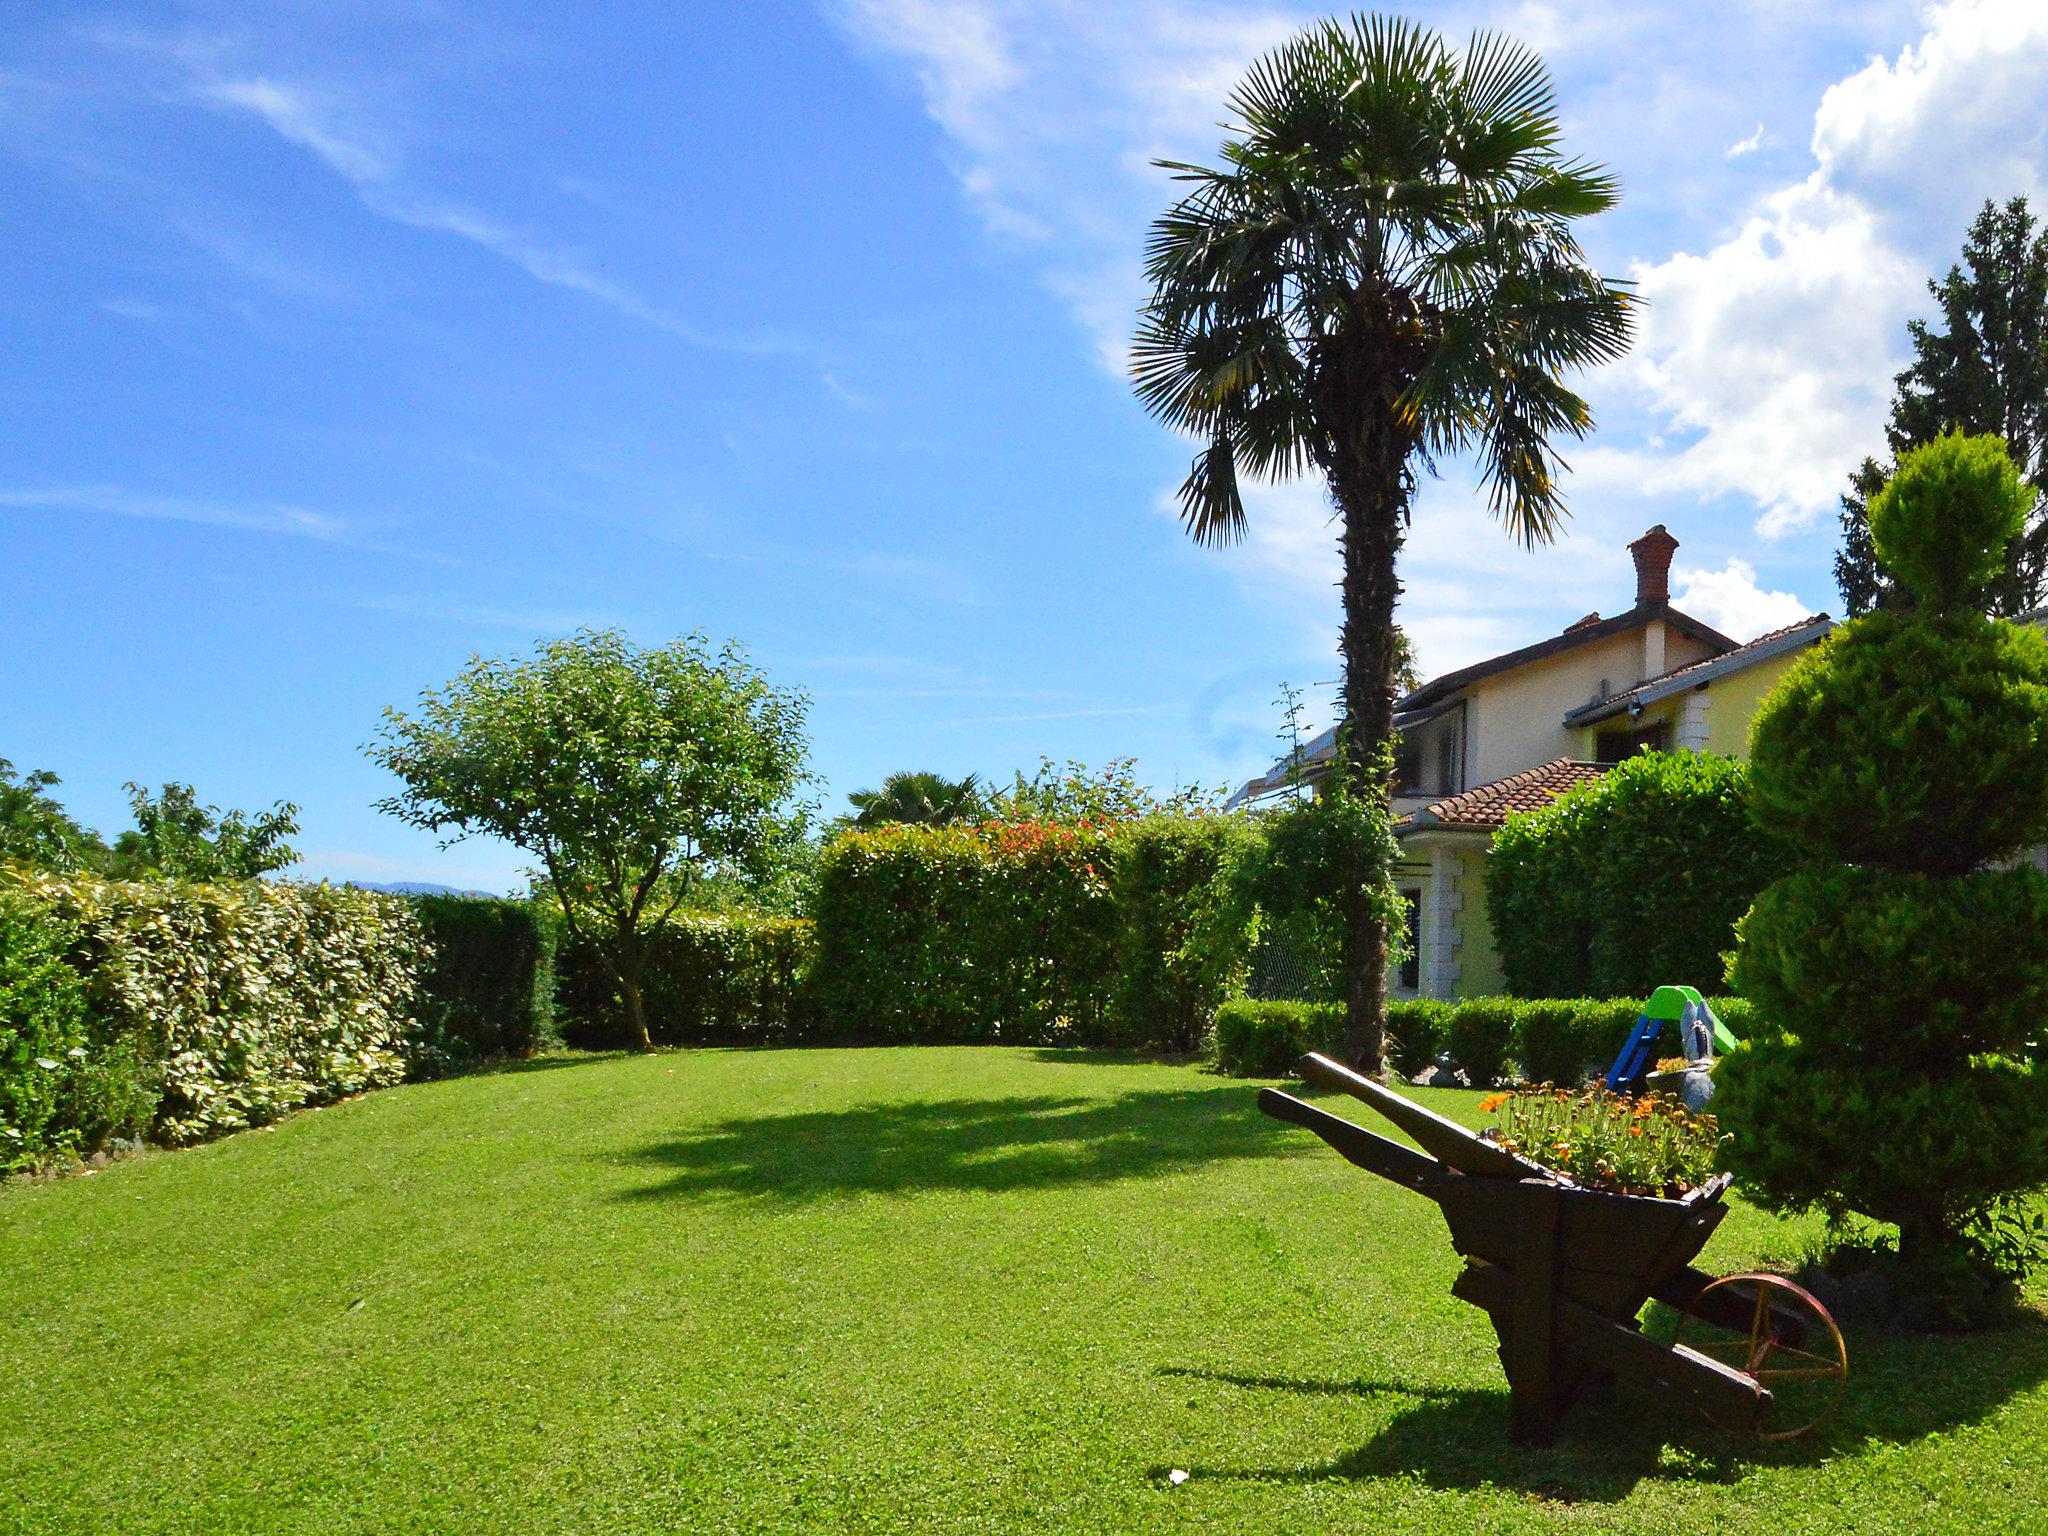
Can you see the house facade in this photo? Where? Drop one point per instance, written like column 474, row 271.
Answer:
column 1514, row 732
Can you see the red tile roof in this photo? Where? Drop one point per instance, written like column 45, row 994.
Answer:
column 1484, row 808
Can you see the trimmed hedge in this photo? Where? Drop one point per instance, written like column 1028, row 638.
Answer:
column 225, row 1006
column 966, row 933
column 1913, row 741
column 1543, row 1040
column 711, row 979
column 1418, row 1029
column 1268, row 1038
column 1184, row 921
column 488, row 985
column 1034, row 932
column 1561, row 1040
column 1629, row 882
column 62, row 1092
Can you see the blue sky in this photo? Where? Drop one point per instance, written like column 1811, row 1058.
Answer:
column 341, row 343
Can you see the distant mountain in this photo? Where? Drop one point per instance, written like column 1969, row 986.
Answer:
column 415, row 888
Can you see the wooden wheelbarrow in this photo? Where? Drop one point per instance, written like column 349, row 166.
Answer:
column 1562, row 1272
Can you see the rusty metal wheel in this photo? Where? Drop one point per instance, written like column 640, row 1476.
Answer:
column 1806, row 1382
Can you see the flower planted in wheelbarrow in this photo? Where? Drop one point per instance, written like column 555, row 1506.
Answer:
column 1647, row 1145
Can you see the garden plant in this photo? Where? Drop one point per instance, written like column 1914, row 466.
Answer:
column 633, row 775
column 1900, row 974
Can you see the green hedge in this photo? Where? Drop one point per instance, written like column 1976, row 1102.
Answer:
column 711, row 979
column 1418, row 1030
column 63, row 1091
column 1630, row 882
column 1544, row 1040
column 224, row 1006
column 1035, row 932
column 1184, row 920
column 966, row 934
column 488, row 987
column 1562, row 1040
column 1482, row 1037
column 1267, row 1038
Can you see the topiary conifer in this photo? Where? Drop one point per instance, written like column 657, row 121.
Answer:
column 1900, row 975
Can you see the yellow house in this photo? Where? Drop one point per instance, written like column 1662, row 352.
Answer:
column 1514, row 732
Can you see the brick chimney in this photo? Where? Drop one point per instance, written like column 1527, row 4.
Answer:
column 1653, row 552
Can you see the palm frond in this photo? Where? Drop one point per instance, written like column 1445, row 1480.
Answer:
column 1372, row 165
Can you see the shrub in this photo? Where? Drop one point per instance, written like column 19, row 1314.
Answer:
column 1000, row 932
column 1944, row 525
column 1738, row 1013
column 1911, row 740
column 1922, row 969
column 1540, row 876
column 1563, row 1040
column 1417, row 1029
column 489, row 987
column 1268, row 1039
column 1306, row 853
column 42, row 1033
column 1898, row 982
column 1630, row 882
column 711, row 979
column 1481, row 1034
column 1035, row 932
column 244, row 1001
column 1184, row 918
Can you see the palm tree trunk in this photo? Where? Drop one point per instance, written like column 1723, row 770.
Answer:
column 1370, row 496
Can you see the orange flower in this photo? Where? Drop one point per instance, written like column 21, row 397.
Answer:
column 1493, row 1101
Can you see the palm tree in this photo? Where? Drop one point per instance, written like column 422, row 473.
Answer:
column 930, row 799
column 1382, row 271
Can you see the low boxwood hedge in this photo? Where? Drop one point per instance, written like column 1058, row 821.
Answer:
column 1544, row 1040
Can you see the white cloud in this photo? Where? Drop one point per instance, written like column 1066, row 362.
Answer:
column 1747, row 145
column 1770, row 358
column 1731, row 601
column 1771, row 355
column 298, row 115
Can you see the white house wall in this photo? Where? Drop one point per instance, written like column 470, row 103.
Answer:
column 1515, row 721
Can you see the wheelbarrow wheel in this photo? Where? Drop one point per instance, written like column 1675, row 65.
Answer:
column 1806, row 1382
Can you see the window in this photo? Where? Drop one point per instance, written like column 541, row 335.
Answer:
column 1411, row 967
column 1613, row 746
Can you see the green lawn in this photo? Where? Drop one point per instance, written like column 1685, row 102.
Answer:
column 885, row 1290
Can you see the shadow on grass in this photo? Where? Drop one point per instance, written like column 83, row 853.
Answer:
column 1901, row 1389
column 965, row 1144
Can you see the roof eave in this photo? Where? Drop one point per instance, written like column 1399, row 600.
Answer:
column 1697, row 676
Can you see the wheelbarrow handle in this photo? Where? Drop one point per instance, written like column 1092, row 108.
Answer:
column 1375, row 1154
column 1445, row 1140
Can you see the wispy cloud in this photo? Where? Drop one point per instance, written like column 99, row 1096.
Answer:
column 952, row 693
column 252, row 515
column 930, row 578
column 1115, row 712
column 324, row 123
column 1748, row 145
column 257, row 516
column 529, row 621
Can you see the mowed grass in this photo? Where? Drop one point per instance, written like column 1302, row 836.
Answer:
column 884, row 1290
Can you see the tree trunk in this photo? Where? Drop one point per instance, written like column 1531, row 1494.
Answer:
column 636, row 1012
column 1360, row 376
column 1371, row 538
